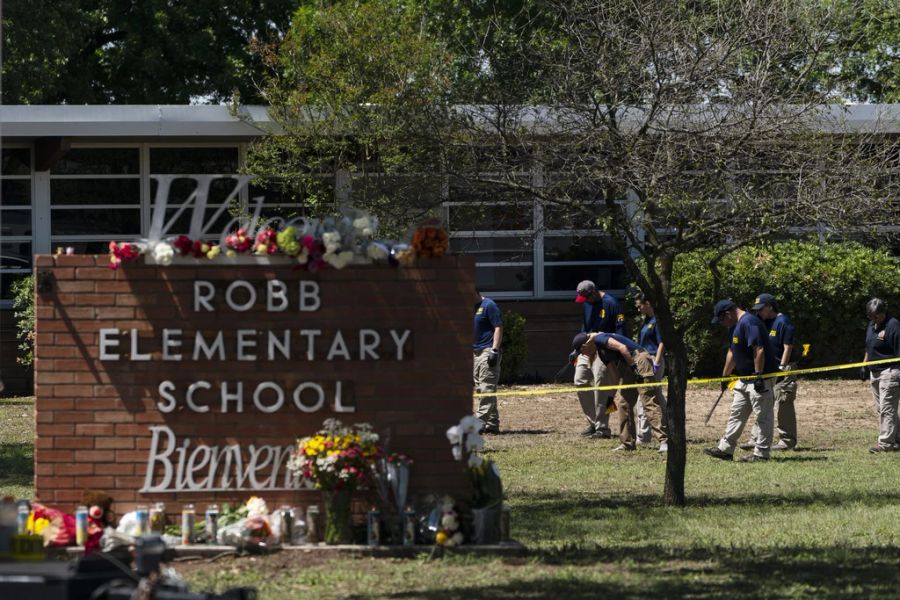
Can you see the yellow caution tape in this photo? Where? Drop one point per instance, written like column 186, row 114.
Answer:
column 733, row 379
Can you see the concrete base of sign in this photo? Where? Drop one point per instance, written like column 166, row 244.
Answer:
column 510, row 548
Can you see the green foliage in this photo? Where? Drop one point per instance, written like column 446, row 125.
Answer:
column 822, row 287
column 23, row 305
column 357, row 86
column 126, row 52
column 514, row 346
column 487, row 488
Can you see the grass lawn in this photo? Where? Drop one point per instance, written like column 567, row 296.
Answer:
column 821, row 522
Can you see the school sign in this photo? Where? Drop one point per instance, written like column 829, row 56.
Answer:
column 191, row 382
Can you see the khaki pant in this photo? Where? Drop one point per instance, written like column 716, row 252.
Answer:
column 629, row 397
column 485, row 378
column 746, row 401
column 644, row 431
column 886, row 394
column 589, row 374
column 785, row 393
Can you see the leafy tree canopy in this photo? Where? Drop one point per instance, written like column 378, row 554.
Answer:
column 127, row 52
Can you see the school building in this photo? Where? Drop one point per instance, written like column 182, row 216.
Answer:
column 80, row 176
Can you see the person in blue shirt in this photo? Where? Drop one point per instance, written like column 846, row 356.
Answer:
column 650, row 340
column 750, row 355
column 601, row 312
column 627, row 362
column 782, row 335
column 487, row 338
column 883, row 342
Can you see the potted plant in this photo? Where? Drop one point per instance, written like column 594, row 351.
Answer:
column 487, row 488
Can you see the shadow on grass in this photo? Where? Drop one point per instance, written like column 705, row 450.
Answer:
column 525, row 431
column 545, row 505
column 655, row 572
column 16, row 464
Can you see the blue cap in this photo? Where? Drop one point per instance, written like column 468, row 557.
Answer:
column 762, row 300
column 579, row 340
column 722, row 306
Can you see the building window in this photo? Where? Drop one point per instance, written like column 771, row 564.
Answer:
column 526, row 250
column 95, row 196
column 15, row 220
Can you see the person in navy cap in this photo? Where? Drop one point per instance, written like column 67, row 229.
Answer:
column 601, row 313
column 750, row 355
column 782, row 335
column 487, row 338
column 883, row 342
column 629, row 363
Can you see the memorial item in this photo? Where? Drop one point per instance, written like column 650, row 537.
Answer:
column 158, row 518
column 337, row 460
column 409, row 526
column 312, row 524
column 331, row 242
column 142, row 512
column 448, row 534
column 373, row 527
column 81, row 525
column 188, row 517
column 211, row 522
column 487, row 488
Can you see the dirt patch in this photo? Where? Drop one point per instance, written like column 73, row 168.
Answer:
column 823, row 407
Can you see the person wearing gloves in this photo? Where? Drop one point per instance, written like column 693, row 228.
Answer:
column 487, row 337
column 883, row 342
column 750, row 355
column 628, row 363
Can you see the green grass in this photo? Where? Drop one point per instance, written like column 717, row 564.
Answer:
column 823, row 522
column 16, row 447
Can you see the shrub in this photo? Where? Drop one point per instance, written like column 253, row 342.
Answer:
column 822, row 287
column 514, row 346
column 23, row 305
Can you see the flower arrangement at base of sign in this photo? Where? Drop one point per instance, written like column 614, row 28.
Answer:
column 338, row 459
column 487, row 488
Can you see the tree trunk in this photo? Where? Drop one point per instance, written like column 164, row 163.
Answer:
column 676, row 458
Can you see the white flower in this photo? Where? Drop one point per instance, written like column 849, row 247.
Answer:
column 362, row 223
column 163, row 253
column 332, row 241
column 377, row 251
column 474, row 442
column 339, row 260
column 470, row 424
column 457, row 452
column 453, row 434
column 256, row 507
column 475, row 460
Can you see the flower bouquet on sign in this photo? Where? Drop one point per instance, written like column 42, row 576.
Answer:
column 338, row 459
column 487, row 488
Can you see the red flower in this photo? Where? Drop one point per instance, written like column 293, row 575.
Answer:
column 184, row 245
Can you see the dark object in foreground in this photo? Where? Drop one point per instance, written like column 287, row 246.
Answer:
column 100, row 576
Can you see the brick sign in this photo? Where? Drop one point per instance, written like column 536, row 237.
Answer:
column 191, row 383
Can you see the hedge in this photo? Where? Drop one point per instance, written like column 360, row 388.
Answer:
column 822, row 287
